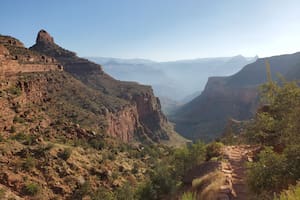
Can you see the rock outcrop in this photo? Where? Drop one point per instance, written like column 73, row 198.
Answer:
column 15, row 58
column 44, row 37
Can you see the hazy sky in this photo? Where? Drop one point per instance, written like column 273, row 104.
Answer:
column 158, row 29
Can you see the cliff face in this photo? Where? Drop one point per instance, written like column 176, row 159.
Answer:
column 235, row 97
column 15, row 58
column 141, row 117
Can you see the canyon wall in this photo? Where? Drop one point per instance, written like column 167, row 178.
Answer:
column 80, row 92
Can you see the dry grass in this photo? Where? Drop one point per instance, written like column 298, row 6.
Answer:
column 207, row 187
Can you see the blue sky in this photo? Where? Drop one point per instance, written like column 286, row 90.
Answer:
column 158, row 29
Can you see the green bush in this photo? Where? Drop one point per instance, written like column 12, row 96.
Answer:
column 111, row 156
column 135, row 168
column 268, row 174
column 65, row 154
column 27, row 139
column 97, row 143
column 29, row 163
column 161, row 184
column 292, row 154
column 146, row 191
column 103, row 194
column 293, row 193
column 31, row 189
column 12, row 129
column 81, row 191
column 18, row 120
column 124, row 193
column 1, row 138
column 2, row 193
column 14, row 90
column 187, row 157
column 213, row 150
column 277, row 125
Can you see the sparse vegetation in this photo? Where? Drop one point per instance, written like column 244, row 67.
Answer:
column 2, row 193
column 27, row 139
column 18, row 119
column 188, row 196
column 14, row 90
column 29, row 163
column 213, row 150
column 31, row 189
column 293, row 193
column 126, row 192
column 12, row 129
column 65, row 154
column 103, row 194
column 82, row 190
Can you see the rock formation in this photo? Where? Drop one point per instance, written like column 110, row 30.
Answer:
column 138, row 114
column 44, row 37
column 15, row 58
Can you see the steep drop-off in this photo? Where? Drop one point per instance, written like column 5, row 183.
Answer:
column 235, row 97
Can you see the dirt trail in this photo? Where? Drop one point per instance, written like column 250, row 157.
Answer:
column 235, row 169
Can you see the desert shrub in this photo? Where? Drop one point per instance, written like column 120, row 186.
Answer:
column 12, row 129
column 1, row 138
column 97, row 143
column 81, row 191
column 124, row 193
column 14, row 90
column 146, row 191
column 41, row 150
column 103, row 194
column 2, row 193
column 19, row 136
column 135, row 168
column 213, row 150
column 29, row 163
column 292, row 154
column 111, row 156
column 293, row 193
column 18, row 120
column 31, row 189
column 27, row 139
column 186, row 158
column 278, row 123
column 188, row 196
column 81, row 143
column 65, row 154
column 162, row 180
column 268, row 174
